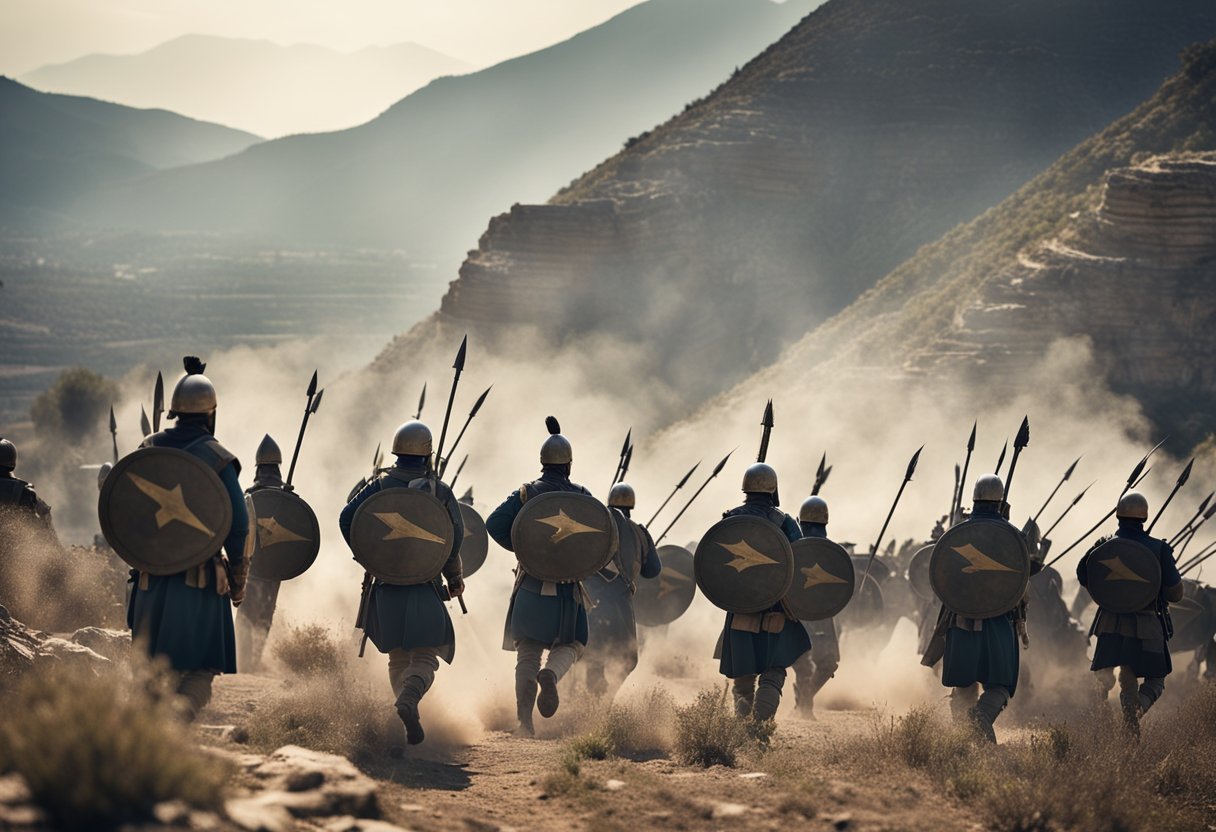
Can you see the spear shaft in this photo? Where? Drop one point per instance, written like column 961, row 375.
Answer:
column 1182, row 478
column 158, row 402
column 958, row 503
column 114, row 432
column 468, row 421
column 458, row 366
column 679, row 485
column 767, row 424
column 1056, row 490
column 312, row 391
column 907, row 479
column 1071, row 506
column 717, row 470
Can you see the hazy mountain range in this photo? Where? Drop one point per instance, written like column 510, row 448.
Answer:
column 254, row 85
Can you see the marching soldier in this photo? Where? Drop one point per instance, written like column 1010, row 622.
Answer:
column 15, row 493
column 1135, row 641
column 187, row 617
column 757, row 649
column 542, row 615
column 614, row 649
column 814, row 668
column 410, row 622
column 256, row 614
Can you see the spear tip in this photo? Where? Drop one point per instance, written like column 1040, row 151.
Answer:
column 971, row 442
column 767, row 421
column 464, row 345
column 312, row 385
column 316, row 403
column 1186, row 472
column 1023, row 437
column 113, row 421
column 912, row 464
column 722, row 464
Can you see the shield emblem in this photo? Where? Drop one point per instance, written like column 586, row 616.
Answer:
column 563, row 536
column 866, row 607
column 1194, row 617
column 980, row 568
column 163, row 510
column 1123, row 576
column 823, row 579
column 918, row 573
column 284, row 533
column 476, row 545
column 663, row 599
column 744, row 564
column 402, row 536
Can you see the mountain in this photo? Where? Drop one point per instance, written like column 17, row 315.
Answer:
column 54, row 147
column 1113, row 245
column 255, row 85
column 869, row 130
column 424, row 176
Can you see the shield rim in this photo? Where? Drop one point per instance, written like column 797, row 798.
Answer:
column 735, row 520
column 819, row 542
column 692, row 596
column 469, row 573
column 202, row 553
column 316, row 537
column 1090, row 565
column 930, row 596
column 1025, row 573
column 549, row 496
column 395, row 580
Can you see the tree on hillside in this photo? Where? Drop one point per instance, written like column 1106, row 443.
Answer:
column 75, row 406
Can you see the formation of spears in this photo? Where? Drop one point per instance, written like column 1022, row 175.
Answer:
column 588, row 575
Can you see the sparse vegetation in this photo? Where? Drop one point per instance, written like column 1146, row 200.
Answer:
column 75, row 406
column 309, row 650
column 708, row 733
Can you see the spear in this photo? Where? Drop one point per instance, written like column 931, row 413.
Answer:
column 820, row 474
column 955, row 492
column 767, row 423
column 1059, row 485
column 421, row 402
column 683, row 481
column 620, row 463
column 1190, row 523
column 114, row 432
column 827, row 472
column 1001, row 459
column 1191, row 561
column 1207, row 515
column 158, row 401
column 958, row 503
column 145, row 426
column 458, row 366
column 308, row 409
column 1182, row 478
column 717, row 470
column 459, row 468
column 1198, row 560
column 1071, row 505
column 907, row 479
column 1019, row 444
column 472, row 413
column 628, row 461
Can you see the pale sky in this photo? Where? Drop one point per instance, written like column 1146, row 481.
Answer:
column 482, row 32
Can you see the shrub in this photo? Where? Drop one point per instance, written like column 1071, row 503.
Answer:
column 708, row 733
column 311, row 650
column 75, row 405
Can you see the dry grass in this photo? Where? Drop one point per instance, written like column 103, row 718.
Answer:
column 98, row 751
column 637, row 729
column 708, row 733
column 310, row 650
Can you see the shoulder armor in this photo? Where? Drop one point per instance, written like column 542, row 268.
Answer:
column 523, row 493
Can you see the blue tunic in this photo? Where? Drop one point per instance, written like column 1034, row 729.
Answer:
column 611, row 621
column 1136, row 640
column 406, row 617
column 549, row 613
column 192, row 626
column 744, row 653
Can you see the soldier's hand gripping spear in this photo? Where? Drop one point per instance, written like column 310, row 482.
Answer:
column 114, row 432
column 620, row 463
column 472, row 414
column 311, row 403
column 158, row 401
column 717, row 470
column 877, row 543
column 679, row 485
column 1182, row 478
column 767, row 424
column 958, row 500
column 1056, row 490
column 458, row 366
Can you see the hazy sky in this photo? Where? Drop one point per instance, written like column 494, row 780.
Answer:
column 482, row 32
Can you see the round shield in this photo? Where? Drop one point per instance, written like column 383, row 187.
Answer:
column 663, row 599
column 285, row 535
column 1123, row 576
column 563, row 536
column 918, row 573
column 402, row 536
column 744, row 564
column 880, row 570
column 476, row 545
column 163, row 510
column 865, row 608
column 823, row 579
column 1194, row 617
column 980, row 568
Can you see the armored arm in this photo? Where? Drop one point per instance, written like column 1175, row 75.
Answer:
column 347, row 515
column 791, row 528
column 453, row 569
column 499, row 523
column 651, row 565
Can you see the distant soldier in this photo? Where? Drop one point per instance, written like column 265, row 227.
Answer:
column 99, row 540
column 410, row 622
column 983, row 652
column 256, row 614
column 614, row 644
column 16, row 494
column 1135, row 641
column 757, row 649
column 814, row 668
column 187, row 617
column 542, row 615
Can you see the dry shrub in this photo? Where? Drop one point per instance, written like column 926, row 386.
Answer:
column 310, row 650
column 637, row 729
column 101, row 750
column 708, row 733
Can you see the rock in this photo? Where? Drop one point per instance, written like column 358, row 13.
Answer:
column 729, row 810
column 76, row 654
column 310, row 783
column 614, row 785
column 113, row 644
column 16, row 810
column 259, row 814
column 19, row 645
column 753, row 775
column 348, row 824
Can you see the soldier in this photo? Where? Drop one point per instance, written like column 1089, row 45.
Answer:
column 187, row 616
column 256, row 614
column 15, row 493
column 410, row 622
column 614, row 649
column 542, row 615
column 761, row 646
column 1136, row 643
column 979, row 652
column 814, row 668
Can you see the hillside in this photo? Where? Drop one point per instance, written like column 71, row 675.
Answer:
column 424, row 176
column 54, row 147
column 871, row 129
column 255, row 85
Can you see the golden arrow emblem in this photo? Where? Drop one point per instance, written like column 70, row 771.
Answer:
column 978, row 561
column 402, row 529
column 271, row 533
column 1120, row 571
column 745, row 556
column 172, row 504
column 667, row 582
column 817, row 575
column 566, row 526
